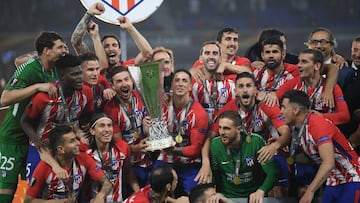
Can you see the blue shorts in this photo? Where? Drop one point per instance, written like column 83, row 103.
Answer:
column 304, row 174
column 283, row 173
column 142, row 175
column 347, row 192
column 32, row 160
column 185, row 172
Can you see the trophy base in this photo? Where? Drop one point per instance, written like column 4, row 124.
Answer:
column 160, row 144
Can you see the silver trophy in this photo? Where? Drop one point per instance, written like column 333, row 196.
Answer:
column 149, row 82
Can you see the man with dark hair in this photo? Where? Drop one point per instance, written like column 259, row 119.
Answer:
column 187, row 122
column 128, row 112
column 97, row 82
column 163, row 181
column 231, row 64
column 31, row 77
column 254, row 52
column 44, row 113
column 311, row 82
column 204, row 193
column 234, row 159
column 319, row 138
column 213, row 93
column 111, row 47
column 44, row 185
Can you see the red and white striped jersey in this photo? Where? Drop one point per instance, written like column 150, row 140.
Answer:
column 266, row 80
column 338, row 115
column 122, row 123
column 193, row 129
column 237, row 61
column 267, row 120
column 213, row 95
column 318, row 131
column 120, row 153
column 44, row 181
column 50, row 112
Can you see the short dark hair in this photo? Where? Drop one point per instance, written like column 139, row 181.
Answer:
column 245, row 75
column 232, row 115
column 317, row 55
column 116, row 70
column 209, row 42
column 111, row 36
column 197, row 193
column 225, row 30
column 46, row 39
column 298, row 97
column 56, row 136
column 88, row 56
column 160, row 177
column 322, row 29
column 273, row 41
column 67, row 61
column 184, row 71
column 269, row 33
column 356, row 39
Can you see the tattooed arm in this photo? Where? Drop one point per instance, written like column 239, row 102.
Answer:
column 105, row 189
column 80, row 30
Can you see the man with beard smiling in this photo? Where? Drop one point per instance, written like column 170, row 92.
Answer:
column 234, row 158
column 44, row 113
column 212, row 94
column 231, row 64
column 128, row 112
column 275, row 73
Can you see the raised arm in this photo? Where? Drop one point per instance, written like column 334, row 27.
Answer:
column 140, row 41
column 77, row 38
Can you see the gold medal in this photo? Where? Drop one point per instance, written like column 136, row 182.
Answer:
column 290, row 160
column 136, row 135
column 178, row 139
column 236, row 180
column 248, row 139
column 71, row 197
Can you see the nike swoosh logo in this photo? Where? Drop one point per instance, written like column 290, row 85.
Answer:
column 224, row 162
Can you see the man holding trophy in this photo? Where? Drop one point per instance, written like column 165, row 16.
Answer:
column 187, row 123
column 127, row 111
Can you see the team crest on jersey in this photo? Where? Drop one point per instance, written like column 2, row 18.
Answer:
column 224, row 91
column 249, row 161
column 139, row 114
column 123, row 7
column 77, row 178
column 97, row 167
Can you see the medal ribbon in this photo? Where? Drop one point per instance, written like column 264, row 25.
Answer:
column 69, row 114
column 69, row 185
column 295, row 140
column 213, row 96
column 179, row 126
column 130, row 114
column 107, row 166
column 316, row 92
column 252, row 122
column 237, row 163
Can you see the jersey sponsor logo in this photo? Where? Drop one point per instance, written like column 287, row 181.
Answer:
column 123, row 7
